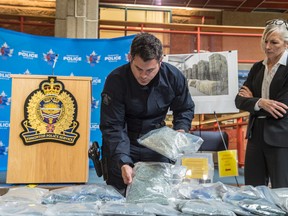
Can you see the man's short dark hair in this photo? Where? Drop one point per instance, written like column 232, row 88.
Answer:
column 147, row 47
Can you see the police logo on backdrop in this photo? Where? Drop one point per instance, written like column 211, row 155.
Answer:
column 93, row 58
column 5, row 50
column 94, row 103
column 3, row 148
column 72, row 58
column 28, row 54
column 4, row 125
column 27, row 72
column 5, row 75
column 112, row 58
column 94, row 126
column 50, row 57
column 4, row 99
column 50, row 115
column 96, row 80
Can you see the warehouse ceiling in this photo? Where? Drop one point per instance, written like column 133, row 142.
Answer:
column 47, row 7
column 279, row 6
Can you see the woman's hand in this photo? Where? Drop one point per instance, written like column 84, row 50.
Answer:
column 275, row 108
column 245, row 92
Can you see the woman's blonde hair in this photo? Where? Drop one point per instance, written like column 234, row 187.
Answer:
column 275, row 25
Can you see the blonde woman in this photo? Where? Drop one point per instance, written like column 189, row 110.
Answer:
column 265, row 95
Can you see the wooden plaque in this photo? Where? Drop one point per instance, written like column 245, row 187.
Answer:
column 48, row 161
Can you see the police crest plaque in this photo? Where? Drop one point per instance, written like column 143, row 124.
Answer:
column 50, row 114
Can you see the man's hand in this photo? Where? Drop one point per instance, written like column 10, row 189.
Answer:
column 275, row 108
column 127, row 172
column 245, row 92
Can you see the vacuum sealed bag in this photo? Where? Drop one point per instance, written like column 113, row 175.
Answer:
column 171, row 143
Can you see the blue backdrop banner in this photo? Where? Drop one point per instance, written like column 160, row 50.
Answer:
column 37, row 55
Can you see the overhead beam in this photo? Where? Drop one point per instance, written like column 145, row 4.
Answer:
column 36, row 8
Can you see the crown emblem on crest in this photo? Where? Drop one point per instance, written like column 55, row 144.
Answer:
column 52, row 87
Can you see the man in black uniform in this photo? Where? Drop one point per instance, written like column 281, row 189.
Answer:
column 135, row 100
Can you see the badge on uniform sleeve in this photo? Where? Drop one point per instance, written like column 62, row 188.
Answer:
column 106, row 99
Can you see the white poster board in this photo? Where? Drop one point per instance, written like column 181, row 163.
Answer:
column 212, row 79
